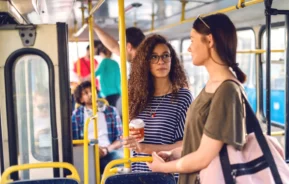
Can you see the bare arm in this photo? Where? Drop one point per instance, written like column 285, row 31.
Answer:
column 149, row 148
column 131, row 142
column 115, row 145
column 196, row 161
column 107, row 40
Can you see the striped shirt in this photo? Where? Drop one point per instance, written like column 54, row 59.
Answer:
column 167, row 127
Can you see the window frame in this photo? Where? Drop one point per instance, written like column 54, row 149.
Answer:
column 11, row 109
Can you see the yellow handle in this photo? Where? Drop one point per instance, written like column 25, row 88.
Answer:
column 108, row 171
column 74, row 174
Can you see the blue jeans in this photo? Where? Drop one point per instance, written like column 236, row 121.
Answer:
column 108, row 158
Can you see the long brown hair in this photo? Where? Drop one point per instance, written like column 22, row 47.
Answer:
column 140, row 85
column 225, row 37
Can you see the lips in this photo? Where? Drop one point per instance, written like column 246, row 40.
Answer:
column 161, row 69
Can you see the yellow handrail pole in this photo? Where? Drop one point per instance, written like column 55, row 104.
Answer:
column 257, row 51
column 9, row 170
column 153, row 16
column 98, row 4
column 77, row 142
column 241, row 3
column 183, row 10
column 94, row 92
column 77, row 53
column 225, row 10
column 82, row 8
column 108, row 171
column 124, row 86
column 85, row 151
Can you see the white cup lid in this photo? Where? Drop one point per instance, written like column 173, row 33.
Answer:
column 137, row 123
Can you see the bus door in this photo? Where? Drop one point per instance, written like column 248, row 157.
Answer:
column 35, row 97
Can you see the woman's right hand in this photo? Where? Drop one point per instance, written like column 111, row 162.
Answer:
column 135, row 134
column 131, row 143
column 165, row 155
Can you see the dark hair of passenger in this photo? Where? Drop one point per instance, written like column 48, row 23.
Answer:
column 96, row 42
column 225, row 39
column 141, row 86
column 78, row 91
column 100, row 48
column 134, row 36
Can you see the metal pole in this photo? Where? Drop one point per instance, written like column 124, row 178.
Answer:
column 124, row 86
column 287, row 90
column 268, row 72
column 183, row 10
column 93, row 90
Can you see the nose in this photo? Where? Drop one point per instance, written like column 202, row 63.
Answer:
column 161, row 61
column 189, row 49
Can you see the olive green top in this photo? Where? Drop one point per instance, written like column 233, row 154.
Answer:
column 218, row 115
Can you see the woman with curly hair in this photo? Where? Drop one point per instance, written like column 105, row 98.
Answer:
column 159, row 96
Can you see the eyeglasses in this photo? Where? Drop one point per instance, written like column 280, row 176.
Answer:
column 201, row 19
column 155, row 58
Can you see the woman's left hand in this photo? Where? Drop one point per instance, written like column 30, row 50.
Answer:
column 157, row 164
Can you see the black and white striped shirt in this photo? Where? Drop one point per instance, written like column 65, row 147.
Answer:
column 167, row 127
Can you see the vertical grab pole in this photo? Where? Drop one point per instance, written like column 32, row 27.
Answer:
column 124, row 86
column 268, row 71
column 93, row 89
column 78, row 69
column 287, row 90
column 153, row 17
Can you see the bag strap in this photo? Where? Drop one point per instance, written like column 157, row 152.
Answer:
column 252, row 125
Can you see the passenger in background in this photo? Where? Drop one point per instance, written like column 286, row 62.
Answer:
column 109, row 73
column 134, row 36
column 159, row 96
column 109, row 125
column 42, row 124
column 84, row 74
column 216, row 116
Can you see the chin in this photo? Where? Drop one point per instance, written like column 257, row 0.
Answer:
column 197, row 63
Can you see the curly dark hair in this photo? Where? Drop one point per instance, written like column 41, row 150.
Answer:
column 78, row 91
column 140, row 85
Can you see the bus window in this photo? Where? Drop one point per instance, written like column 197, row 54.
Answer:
column 247, row 62
column 32, row 109
column 277, row 75
column 176, row 45
column 197, row 75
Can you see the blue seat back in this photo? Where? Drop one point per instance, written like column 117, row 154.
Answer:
column 47, row 181
column 141, row 178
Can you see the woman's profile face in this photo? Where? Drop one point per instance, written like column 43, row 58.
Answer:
column 199, row 48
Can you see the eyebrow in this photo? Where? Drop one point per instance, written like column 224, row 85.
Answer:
column 165, row 52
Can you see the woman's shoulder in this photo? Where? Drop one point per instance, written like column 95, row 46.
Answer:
column 185, row 94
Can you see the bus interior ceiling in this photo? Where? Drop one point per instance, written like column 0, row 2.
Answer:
column 139, row 13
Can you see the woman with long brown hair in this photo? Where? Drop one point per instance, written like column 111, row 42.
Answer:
column 159, row 96
column 216, row 116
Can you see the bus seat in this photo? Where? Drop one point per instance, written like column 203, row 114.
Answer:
column 71, row 179
column 47, row 181
column 141, row 178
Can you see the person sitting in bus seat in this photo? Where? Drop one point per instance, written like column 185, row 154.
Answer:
column 216, row 117
column 109, row 73
column 159, row 96
column 134, row 36
column 84, row 71
column 42, row 124
column 109, row 125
